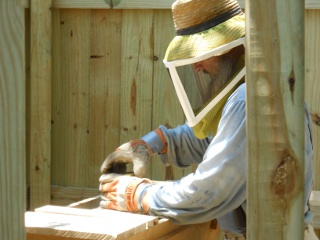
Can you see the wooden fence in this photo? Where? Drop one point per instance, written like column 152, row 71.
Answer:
column 109, row 86
column 94, row 79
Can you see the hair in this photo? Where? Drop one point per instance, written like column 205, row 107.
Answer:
column 228, row 68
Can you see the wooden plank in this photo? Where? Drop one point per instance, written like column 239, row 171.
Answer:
column 109, row 226
column 131, row 4
column 315, row 209
column 136, row 74
column 12, row 120
column 105, row 75
column 88, row 203
column 120, row 218
column 40, row 102
column 312, row 83
column 275, row 119
column 54, row 222
column 70, row 125
column 166, row 111
column 162, row 87
column 164, row 227
column 315, row 198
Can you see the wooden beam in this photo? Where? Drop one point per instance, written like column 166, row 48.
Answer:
column 39, row 141
column 275, row 119
column 12, row 120
column 133, row 4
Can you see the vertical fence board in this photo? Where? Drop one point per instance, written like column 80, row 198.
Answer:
column 12, row 120
column 162, row 87
column 40, row 102
column 105, row 73
column 136, row 74
column 71, row 100
column 312, row 85
column 166, row 110
column 56, row 146
column 275, row 119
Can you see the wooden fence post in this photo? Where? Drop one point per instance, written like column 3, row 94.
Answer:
column 12, row 120
column 275, row 119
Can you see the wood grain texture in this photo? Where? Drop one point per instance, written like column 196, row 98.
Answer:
column 12, row 120
column 136, row 74
column 71, row 99
column 40, row 102
column 275, row 119
column 105, row 75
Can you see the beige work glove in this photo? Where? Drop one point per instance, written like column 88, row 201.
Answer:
column 136, row 152
column 118, row 192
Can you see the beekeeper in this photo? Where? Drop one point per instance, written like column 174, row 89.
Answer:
column 206, row 64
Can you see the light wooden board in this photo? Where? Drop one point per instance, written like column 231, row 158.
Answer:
column 83, row 223
column 312, row 83
column 143, row 4
column 105, row 74
column 111, row 225
column 315, row 209
column 54, row 222
column 40, row 102
column 162, row 87
column 315, row 198
column 12, row 120
column 136, row 74
column 121, row 219
column 70, row 114
column 163, row 107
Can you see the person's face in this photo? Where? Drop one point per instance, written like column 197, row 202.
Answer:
column 209, row 66
column 219, row 68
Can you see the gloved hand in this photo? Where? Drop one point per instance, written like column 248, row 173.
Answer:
column 137, row 152
column 118, row 193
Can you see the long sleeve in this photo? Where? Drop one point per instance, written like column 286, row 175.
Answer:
column 218, row 185
column 184, row 148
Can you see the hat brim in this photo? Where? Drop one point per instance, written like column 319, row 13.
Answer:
column 189, row 46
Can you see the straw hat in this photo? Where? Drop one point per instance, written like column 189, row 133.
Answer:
column 203, row 25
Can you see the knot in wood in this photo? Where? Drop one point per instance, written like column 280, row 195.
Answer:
column 283, row 183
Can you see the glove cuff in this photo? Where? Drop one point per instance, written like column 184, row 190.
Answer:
column 136, row 142
column 156, row 141
column 131, row 191
column 141, row 191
